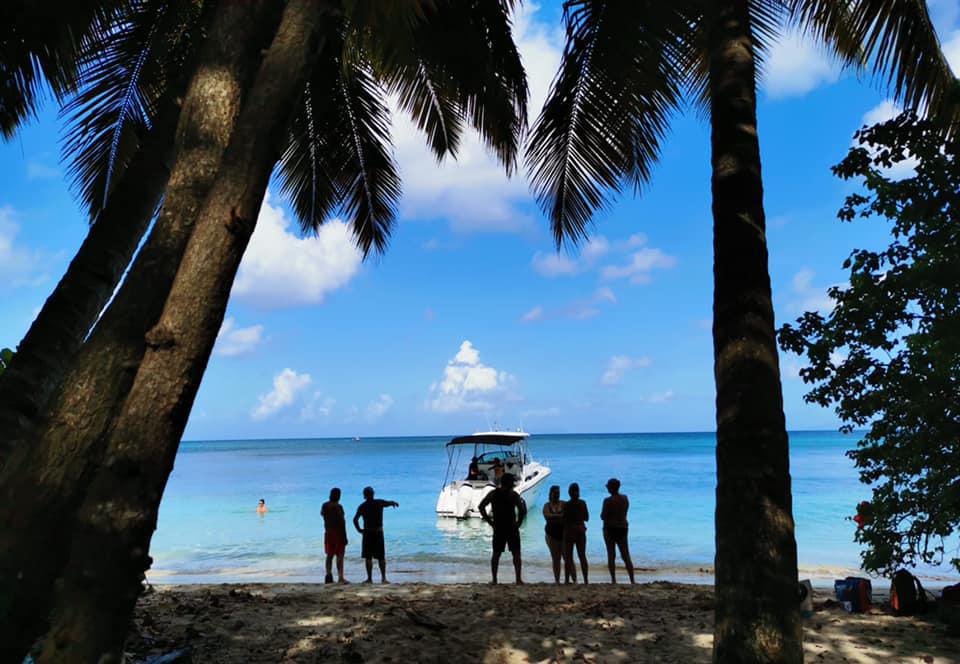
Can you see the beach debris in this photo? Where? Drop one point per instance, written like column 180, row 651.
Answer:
column 423, row 620
column 180, row 656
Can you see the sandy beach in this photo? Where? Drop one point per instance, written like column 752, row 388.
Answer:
column 653, row 622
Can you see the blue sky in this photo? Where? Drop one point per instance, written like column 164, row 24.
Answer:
column 471, row 317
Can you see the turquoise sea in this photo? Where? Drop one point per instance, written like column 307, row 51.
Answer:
column 208, row 530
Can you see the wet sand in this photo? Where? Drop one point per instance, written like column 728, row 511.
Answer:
column 652, row 622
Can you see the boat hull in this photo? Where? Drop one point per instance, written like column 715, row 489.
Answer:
column 461, row 499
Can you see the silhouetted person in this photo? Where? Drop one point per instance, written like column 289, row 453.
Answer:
column 575, row 517
column 553, row 517
column 509, row 511
column 262, row 507
column 473, row 470
column 614, row 517
column 497, row 471
column 334, row 534
column 371, row 510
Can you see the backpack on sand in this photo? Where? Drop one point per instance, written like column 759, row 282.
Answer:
column 855, row 592
column 907, row 596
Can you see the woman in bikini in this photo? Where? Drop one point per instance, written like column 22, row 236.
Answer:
column 553, row 516
column 575, row 517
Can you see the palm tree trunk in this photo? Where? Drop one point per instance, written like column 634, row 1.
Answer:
column 757, row 613
column 52, row 342
column 116, row 521
column 47, row 477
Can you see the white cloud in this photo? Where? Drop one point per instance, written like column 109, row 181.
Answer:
column 640, row 265
column 468, row 384
column 951, row 49
column 378, row 408
column 797, row 64
column 555, row 265
column 287, row 386
column 619, row 365
column 19, row 265
column 473, row 193
column 281, row 269
column 887, row 110
column 660, row 397
column 583, row 309
column 318, row 406
column 552, row 411
column 808, row 297
column 534, row 314
column 233, row 341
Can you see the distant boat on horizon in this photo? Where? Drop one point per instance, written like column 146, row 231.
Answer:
column 356, row 439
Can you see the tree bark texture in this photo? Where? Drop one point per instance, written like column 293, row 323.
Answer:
column 47, row 477
column 56, row 334
column 757, row 613
column 116, row 521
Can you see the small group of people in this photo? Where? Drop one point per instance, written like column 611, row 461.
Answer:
column 335, row 533
column 565, row 529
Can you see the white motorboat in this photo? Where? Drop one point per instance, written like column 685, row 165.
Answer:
column 466, row 484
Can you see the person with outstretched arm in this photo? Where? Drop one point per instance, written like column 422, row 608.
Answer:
column 371, row 509
column 508, row 513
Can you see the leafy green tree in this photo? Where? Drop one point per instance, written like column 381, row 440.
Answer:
column 627, row 67
column 887, row 357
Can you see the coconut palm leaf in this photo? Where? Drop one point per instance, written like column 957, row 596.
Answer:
column 122, row 75
column 39, row 45
column 898, row 43
column 340, row 156
column 458, row 63
column 620, row 79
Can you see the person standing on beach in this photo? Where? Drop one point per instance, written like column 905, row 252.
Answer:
column 371, row 509
column 553, row 517
column 575, row 517
column 509, row 511
column 334, row 534
column 614, row 517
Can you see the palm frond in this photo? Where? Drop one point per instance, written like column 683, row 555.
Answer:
column 608, row 110
column 38, row 51
column 122, row 76
column 899, row 45
column 458, row 63
column 339, row 156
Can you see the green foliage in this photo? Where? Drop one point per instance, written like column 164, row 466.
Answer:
column 6, row 356
column 888, row 355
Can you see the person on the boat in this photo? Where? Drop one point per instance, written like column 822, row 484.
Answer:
column 334, row 535
column 497, row 471
column 553, row 517
column 575, row 517
column 371, row 510
column 262, row 507
column 473, row 471
column 508, row 513
column 614, row 517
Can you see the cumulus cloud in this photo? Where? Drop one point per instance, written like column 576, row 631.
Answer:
column 19, row 265
column 379, row 407
column 468, row 384
column 233, row 341
column 619, row 365
column 318, row 406
column 281, row 269
column 887, row 110
column 473, row 193
column 796, row 65
column 288, row 385
column 639, row 267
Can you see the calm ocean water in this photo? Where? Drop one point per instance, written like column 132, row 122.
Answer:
column 208, row 530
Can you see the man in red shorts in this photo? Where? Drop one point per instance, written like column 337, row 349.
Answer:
column 334, row 535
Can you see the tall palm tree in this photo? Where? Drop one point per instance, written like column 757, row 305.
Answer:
column 627, row 67
column 337, row 155
column 128, row 76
